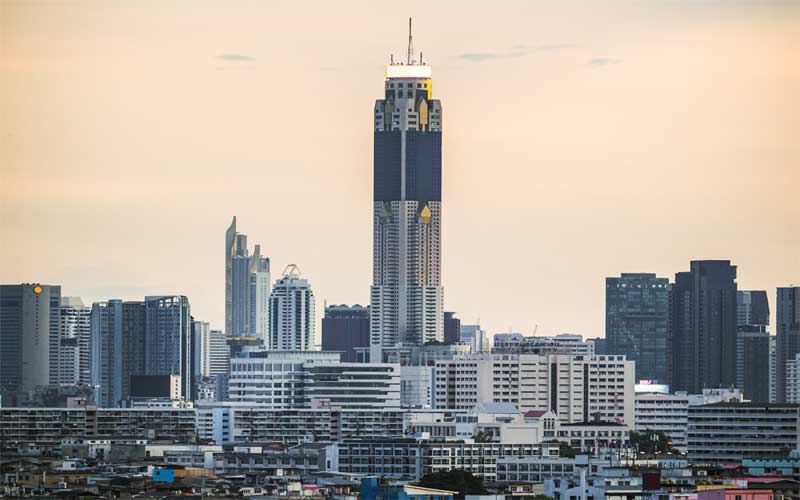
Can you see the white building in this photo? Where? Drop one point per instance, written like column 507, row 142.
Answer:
column 577, row 388
column 565, row 343
column 312, row 379
column 792, row 385
column 75, row 336
column 667, row 413
column 291, row 313
column 416, row 386
column 211, row 352
column 259, row 290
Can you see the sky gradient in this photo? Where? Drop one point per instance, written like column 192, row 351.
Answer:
column 579, row 143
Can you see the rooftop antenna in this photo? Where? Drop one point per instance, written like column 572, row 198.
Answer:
column 410, row 43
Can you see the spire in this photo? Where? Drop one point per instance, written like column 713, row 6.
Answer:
column 410, row 44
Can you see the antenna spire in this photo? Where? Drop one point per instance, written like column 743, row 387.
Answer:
column 410, row 44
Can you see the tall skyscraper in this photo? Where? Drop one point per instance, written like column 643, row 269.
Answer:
column 752, row 307
column 787, row 323
column 117, row 349
column 247, row 288
column 752, row 362
column 231, row 250
column 259, row 288
column 406, row 295
column 168, row 340
column 637, row 318
column 703, row 327
column 29, row 338
column 291, row 313
column 74, row 365
column 346, row 329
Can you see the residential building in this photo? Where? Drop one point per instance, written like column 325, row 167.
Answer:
column 29, row 338
column 753, row 362
column 406, row 295
column 787, row 328
column 345, row 329
column 792, row 380
column 75, row 335
column 452, row 328
column 259, row 289
column 637, row 318
column 537, row 469
column 210, row 350
column 372, row 488
column 291, row 313
column 703, row 326
column 667, row 413
column 577, row 388
column 306, row 379
column 247, row 288
column 168, row 339
column 475, row 337
column 730, row 432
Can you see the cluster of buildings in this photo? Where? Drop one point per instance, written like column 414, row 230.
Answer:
column 143, row 395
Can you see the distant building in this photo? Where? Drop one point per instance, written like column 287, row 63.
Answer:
column 787, row 327
column 667, row 413
column 117, row 349
column 637, row 319
column 564, row 343
column 168, row 339
column 247, row 288
column 753, row 362
column 752, row 307
column 210, row 350
column 452, row 328
column 703, row 326
column 792, row 383
column 75, row 335
column 345, row 329
column 475, row 337
column 29, row 332
column 291, row 313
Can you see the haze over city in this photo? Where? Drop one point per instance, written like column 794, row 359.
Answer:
column 578, row 145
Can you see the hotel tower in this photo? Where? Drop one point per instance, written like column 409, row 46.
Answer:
column 406, row 294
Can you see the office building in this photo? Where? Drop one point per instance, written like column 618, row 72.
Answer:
column 117, row 349
column 74, row 364
column 259, row 290
column 753, row 362
column 210, row 351
column 787, row 329
column 637, row 318
column 247, row 288
column 475, row 337
column 168, row 339
column 752, row 307
column 29, row 338
column 234, row 247
column 730, row 432
column 406, row 295
column 452, row 328
column 667, row 413
column 564, row 343
column 345, row 329
column 291, row 313
column 311, row 379
column 703, row 327
column 576, row 388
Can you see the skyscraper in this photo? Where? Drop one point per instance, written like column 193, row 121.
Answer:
column 74, row 365
column 168, row 340
column 345, row 329
column 117, row 349
column 291, row 312
column 247, row 288
column 703, row 326
column 29, row 338
column 752, row 363
column 406, row 295
column 452, row 328
column 230, row 251
column 210, row 351
column 637, row 317
column 259, row 288
column 787, row 323
column 752, row 307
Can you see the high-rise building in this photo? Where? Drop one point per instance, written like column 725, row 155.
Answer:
column 240, row 293
column 247, row 288
column 231, row 250
column 703, row 327
column 345, row 329
column 753, row 363
column 475, row 337
column 74, row 363
column 406, row 295
column 452, row 328
column 637, row 318
column 29, row 338
column 117, row 349
column 168, row 339
column 752, row 307
column 787, row 323
column 291, row 312
column 258, row 299
column 210, row 351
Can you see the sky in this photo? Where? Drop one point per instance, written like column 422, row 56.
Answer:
column 581, row 140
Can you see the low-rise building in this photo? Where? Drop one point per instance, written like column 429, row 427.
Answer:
column 667, row 413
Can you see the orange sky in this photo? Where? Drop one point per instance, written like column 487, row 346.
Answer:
column 579, row 143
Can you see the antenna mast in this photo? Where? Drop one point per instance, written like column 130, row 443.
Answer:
column 410, row 43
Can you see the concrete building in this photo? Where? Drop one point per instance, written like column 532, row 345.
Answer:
column 259, row 290
column 577, row 388
column 75, row 335
column 247, row 288
column 475, row 337
column 346, row 329
column 168, row 339
column 667, row 413
column 311, row 379
column 787, row 329
column 792, row 380
column 564, row 343
column 291, row 313
column 637, row 320
column 406, row 295
column 730, row 432
column 29, row 336
column 211, row 353
column 416, row 385
column 703, row 327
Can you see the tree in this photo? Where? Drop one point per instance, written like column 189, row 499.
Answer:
column 651, row 442
column 566, row 451
column 463, row 482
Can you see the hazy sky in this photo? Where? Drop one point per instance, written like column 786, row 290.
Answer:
column 581, row 140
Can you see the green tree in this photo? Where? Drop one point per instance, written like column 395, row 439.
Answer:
column 465, row 483
column 652, row 442
column 567, row 451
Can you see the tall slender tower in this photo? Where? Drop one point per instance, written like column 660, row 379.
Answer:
column 230, row 251
column 406, row 295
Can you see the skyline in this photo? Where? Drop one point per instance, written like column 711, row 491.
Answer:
column 544, row 281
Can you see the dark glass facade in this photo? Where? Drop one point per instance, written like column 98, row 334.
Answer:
column 452, row 328
column 345, row 329
column 423, row 151
column 787, row 325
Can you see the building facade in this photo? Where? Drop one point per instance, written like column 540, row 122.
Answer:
column 247, row 288
column 168, row 339
column 291, row 313
column 75, row 336
column 345, row 329
column 637, row 319
column 703, row 327
column 787, row 329
column 475, row 337
column 452, row 328
column 564, row 343
column 406, row 296
column 667, row 413
column 752, row 307
column 753, row 365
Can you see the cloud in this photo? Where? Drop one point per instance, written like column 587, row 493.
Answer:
column 478, row 56
column 602, row 61
column 235, row 57
column 516, row 51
